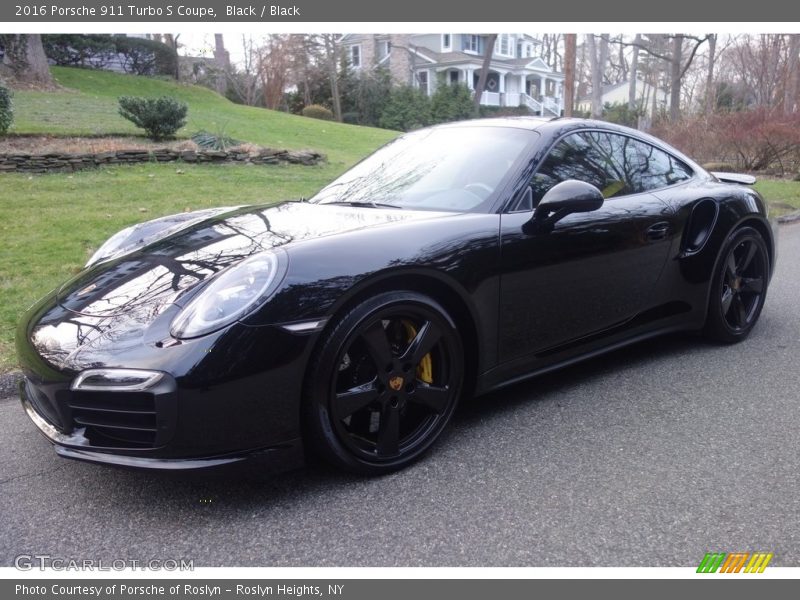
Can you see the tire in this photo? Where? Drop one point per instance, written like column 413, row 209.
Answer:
column 383, row 384
column 738, row 287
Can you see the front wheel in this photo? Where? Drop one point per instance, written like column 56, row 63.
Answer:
column 739, row 286
column 384, row 383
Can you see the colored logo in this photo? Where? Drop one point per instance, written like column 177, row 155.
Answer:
column 734, row 562
column 396, row 383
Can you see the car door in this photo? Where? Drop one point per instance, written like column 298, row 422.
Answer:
column 594, row 270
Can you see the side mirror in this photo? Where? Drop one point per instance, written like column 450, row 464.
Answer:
column 562, row 199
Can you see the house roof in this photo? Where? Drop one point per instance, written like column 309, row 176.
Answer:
column 452, row 58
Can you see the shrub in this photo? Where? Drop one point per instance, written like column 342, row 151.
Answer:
column 504, row 111
column 146, row 57
column 719, row 167
column 622, row 114
column 137, row 56
column 351, row 118
column 408, row 108
column 451, row 103
column 365, row 94
column 214, row 141
column 159, row 117
column 72, row 50
column 752, row 140
column 6, row 112
column 315, row 111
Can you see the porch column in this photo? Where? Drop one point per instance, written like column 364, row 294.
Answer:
column 502, row 88
column 522, row 89
column 543, row 91
column 471, row 79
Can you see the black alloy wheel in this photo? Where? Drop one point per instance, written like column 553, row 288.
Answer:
column 740, row 286
column 385, row 383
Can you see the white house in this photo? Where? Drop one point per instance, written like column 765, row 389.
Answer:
column 618, row 94
column 516, row 77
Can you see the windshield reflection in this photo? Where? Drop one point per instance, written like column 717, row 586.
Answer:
column 450, row 168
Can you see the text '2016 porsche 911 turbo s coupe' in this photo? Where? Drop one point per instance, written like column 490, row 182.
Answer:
column 452, row 261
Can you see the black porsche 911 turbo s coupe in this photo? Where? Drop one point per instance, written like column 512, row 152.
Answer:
column 452, row 261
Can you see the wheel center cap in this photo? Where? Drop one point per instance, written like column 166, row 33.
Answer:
column 396, row 383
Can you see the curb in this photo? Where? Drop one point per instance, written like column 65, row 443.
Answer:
column 792, row 217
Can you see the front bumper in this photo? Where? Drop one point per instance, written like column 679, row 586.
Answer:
column 80, row 444
column 221, row 399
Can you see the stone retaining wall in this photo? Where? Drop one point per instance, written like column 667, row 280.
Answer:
column 58, row 162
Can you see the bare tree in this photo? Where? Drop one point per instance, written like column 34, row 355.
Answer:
column 25, row 58
column 710, row 100
column 244, row 80
column 329, row 42
column 570, row 60
column 598, row 55
column 487, row 59
column 792, row 75
column 222, row 60
column 678, row 65
column 275, row 61
column 634, row 75
column 171, row 40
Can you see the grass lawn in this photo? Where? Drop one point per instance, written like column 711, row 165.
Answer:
column 782, row 195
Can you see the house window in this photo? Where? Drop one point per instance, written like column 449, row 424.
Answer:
column 384, row 47
column 528, row 50
column 422, row 82
column 472, row 43
column 355, row 56
column 453, row 77
column 504, row 44
column 447, row 42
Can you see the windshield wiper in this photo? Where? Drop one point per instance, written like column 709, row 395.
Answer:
column 366, row 204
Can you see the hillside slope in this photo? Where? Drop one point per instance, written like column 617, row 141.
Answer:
column 88, row 106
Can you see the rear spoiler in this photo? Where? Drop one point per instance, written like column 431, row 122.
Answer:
column 734, row 178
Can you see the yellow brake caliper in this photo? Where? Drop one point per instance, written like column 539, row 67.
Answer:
column 425, row 366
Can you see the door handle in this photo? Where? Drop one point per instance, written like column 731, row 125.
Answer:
column 657, row 231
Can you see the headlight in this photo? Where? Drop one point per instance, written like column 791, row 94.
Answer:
column 230, row 295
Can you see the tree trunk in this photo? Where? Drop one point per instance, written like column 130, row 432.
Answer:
column 487, row 59
column 25, row 57
column 792, row 75
column 333, row 73
column 223, row 61
column 172, row 41
column 711, row 95
column 597, row 62
column 570, row 60
column 634, row 72
column 676, row 62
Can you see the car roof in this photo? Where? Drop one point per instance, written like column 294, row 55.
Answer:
column 558, row 126
column 515, row 122
column 561, row 124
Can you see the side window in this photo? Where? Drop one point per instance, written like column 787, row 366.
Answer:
column 658, row 169
column 604, row 160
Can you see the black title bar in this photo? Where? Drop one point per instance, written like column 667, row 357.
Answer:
column 349, row 11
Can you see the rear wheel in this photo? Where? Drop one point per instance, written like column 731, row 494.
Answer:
column 384, row 383
column 739, row 287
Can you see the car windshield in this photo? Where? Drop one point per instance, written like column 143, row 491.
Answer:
column 448, row 168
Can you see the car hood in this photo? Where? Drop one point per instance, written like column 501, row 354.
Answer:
column 144, row 282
